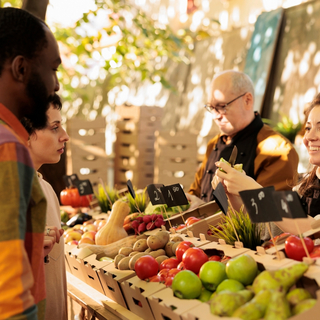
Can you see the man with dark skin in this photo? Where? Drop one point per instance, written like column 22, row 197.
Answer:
column 29, row 58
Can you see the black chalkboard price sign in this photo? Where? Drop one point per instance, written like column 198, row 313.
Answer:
column 130, row 188
column 221, row 198
column 260, row 205
column 289, row 204
column 84, row 187
column 155, row 194
column 174, row 195
column 70, row 180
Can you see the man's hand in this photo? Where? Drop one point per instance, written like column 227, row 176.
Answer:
column 194, row 201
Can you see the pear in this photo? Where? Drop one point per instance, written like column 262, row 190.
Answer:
column 297, row 295
column 255, row 308
column 304, row 306
column 278, row 307
column 226, row 302
column 281, row 279
column 289, row 276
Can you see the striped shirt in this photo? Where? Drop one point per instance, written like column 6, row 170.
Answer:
column 22, row 223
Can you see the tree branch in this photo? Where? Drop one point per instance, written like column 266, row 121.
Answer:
column 36, row 7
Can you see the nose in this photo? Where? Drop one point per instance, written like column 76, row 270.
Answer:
column 312, row 134
column 65, row 136
column 216, row 115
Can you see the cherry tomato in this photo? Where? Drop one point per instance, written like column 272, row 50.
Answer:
column 193, row 259
column 181, row 266
column 294, row 247
column 215, row 258
column 182, row 247
column 155, row 278
column 191, row 220
column 170, row 276
column 169, row 263
column 163, row 274
column 146, row 267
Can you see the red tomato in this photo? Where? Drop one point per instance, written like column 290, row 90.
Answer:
column 191, row 220
column 155, row 278
column 315, row 252
column 169, row 263
column 193, row 259
column 71, row 197
column 181, row 226
column 170, row 276
column 215, row 258
column 181, row 266
column 182, row 247
column 163, row 274
column 146, row 267
column 294, row 248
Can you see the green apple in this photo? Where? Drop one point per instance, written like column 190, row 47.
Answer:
column 230, row 285
column 242, row 268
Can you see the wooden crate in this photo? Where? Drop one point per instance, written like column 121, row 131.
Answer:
column 86, row 149
column 175, row 158
column 134, row 146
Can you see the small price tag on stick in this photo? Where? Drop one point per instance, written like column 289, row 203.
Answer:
column 261, row 207
column 70, row 180
column 155, row 194
column 84, row 187
column 289, row 206
column 131, row 190
column 174, row 196
column 156, row 197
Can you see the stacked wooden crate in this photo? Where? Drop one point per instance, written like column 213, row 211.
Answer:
column 86, row 149
column 176, row 158
column 134, row 146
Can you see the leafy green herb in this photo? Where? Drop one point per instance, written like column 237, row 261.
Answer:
column 249, row 233
column 103, row 200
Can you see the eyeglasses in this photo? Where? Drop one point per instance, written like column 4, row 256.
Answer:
column 221, row 109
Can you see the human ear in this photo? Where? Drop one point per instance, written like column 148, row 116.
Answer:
column 19, row 67
column 248, row 99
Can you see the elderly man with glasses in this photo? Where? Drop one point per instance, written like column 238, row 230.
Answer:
column 266, row 155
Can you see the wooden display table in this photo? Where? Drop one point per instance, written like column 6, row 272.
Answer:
column 97, row 305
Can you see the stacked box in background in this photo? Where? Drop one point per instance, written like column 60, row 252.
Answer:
column 86, row 149
column 134, row 146
column 176, row 158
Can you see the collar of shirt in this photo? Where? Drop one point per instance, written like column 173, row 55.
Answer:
column 12, row 121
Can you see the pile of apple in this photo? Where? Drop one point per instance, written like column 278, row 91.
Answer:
column 83, row 233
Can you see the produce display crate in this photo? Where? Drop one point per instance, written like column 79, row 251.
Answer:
column 134, row 145
column 86, row 154
column 136, row 292
column 205, row 210
column 165, row 305
column 90, row 268
column 175, row 158
column 111, row 278
column 75, row 256
column 202, row 226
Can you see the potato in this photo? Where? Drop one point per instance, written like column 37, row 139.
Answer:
column 125, row 250
column 117, row 259
column 124, row 263
column 176, row 239
column 161, row 258
column 159, row 240
column 133, row 253
column 157, row 253
column 174, row 247
column 168, row 248
column 134, row 259
column 140, row 245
